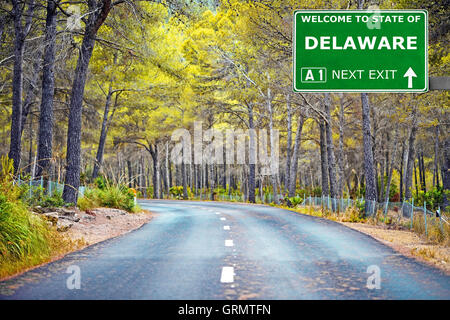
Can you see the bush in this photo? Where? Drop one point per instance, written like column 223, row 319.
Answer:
column 111, row 196
column 100, row 182
column 25, row 238
column 353, row 215
column 433, row 197
column 176, row 191
column 293, row 201
column 39, row 197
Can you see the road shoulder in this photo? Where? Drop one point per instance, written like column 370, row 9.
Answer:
column 96, row 226
column 407, row 243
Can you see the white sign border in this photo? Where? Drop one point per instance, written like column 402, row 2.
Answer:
column 425, row 89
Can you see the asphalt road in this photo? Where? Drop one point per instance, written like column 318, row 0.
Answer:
column 213, row 250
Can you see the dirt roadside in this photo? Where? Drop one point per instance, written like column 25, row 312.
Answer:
column 407, row 243
column 104, row 223
column 90, row 227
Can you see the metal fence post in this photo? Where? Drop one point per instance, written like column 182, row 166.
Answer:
column 425, row 216
column 386, row 209
column 440, row 219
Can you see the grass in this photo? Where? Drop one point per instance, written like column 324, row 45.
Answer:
column 26, row 240
column 437, row 232
column 110, row 196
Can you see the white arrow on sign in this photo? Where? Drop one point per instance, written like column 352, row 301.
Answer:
column 410, row 74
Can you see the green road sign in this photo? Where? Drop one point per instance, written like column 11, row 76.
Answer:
column 360, row 51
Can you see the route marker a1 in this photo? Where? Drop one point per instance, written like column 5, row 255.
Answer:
column 360, row 51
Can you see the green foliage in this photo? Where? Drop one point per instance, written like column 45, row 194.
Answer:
column 354, row 215
column 111, row 196
column 433, row 198
column 25, row 238
column 360, row 205
column 221, row 191
column 393, row 189
column 176, row 191
column 100, row 182
column 37, row 196
column 150, row 191
column 293, row 201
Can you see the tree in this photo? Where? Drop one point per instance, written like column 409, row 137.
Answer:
column 369, row 169
column 48, row 87
column 21, row 30
column 98, row 12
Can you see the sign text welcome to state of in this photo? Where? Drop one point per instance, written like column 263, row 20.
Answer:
column 355, row 50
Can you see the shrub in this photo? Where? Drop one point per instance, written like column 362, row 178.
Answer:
column 176, row 191
column 25, row 238
column 100, row 182
column 294, row 201
column 111, row 196
column 433, row 197
column 39, row 197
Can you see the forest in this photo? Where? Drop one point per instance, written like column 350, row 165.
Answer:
column 92, row 91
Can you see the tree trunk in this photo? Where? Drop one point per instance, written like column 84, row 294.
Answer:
column 211, row 181
column 167, row 175
column 130, row 174
column 183, row 178
column 103, row 133
column 289, row 144
column 381, row 193
column 415, row 178
column 295, row 156
column 401, row 171
column 99, row 11
column 423, row 181
column 48, row 88
column 436, row 156
column 446, row 174
column 369, row 170
column 323, row 159
column 330, row 148
column 272, row 147
column 252, row 156
column 20, row 33
column 391, row 167
column 156, row 171
column 411, row 156
column 341, row 149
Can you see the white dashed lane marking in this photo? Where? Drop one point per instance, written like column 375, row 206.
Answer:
column 226, row 227
column 227, row 275
column 229, row 243
column 223, row 219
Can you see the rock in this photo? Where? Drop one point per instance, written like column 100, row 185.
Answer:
column 51, row 217
column 108, row 217
column 88, row 217
column 63, row 226
column 66, row 212
column 39, row 209
column 43, row 210
column 90, row 212
column 73, row 218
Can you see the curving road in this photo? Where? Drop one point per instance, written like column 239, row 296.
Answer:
column 213, row 250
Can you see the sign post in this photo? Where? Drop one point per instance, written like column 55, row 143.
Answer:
column 360, row 51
